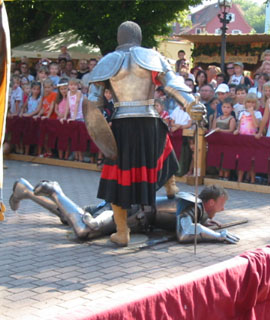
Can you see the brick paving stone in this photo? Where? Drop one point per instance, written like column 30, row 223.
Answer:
column 46, row 273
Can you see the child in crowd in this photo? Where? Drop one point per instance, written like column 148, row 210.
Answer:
column 213, row 105
column 249, row 122
column 222, row 92
column 221, row 78
column 45, row 110
column 266, row 111
column 108, row 110
column 265, row 97
column 238, row 77
column 31, row 105
column 61, row 102
column 26, row 93
column 61, row 107
column 33, row 101
column 261, row 80
column 266, row 55
column 75, row 100
column 42, row 75
column 160, row 106
column 225, row 123
column 180, row 119
column 232, row 93
column 241, row 93
column 16, row 97
column 16, row 102
column 53, row 75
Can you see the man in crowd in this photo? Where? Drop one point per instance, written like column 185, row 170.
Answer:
column 91, row 65
column 83, row 68
column 206, row 95
column 25, row 72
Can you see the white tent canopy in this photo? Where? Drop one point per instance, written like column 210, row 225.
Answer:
column 49, row 47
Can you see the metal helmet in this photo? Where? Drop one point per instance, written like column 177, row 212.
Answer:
column 129, row 32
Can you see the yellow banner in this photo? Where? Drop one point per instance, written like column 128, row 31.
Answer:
column 229, row 58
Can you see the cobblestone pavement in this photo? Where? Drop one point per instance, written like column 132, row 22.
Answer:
column 45, row 273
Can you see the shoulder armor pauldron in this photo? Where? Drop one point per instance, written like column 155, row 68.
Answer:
column 149, row 59
column 107, row 67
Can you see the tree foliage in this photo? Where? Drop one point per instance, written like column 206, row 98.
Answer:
column 254, row 14
column 95, row 22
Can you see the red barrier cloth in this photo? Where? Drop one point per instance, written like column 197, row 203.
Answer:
column 85, row 139
column 17, row 127
column 236, row 289
column 243, row 148
column 36, row 131
column 31, row 132
column 176, row 140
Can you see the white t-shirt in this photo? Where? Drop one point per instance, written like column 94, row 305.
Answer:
column 16, row 95
column 236, row 79
column 180, row 116
column 256, row 91
column 257, row 114
column 238, row 108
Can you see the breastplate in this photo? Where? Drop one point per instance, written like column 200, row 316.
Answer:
column 133, row 84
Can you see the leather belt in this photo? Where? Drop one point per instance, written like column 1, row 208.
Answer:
column 142, row 103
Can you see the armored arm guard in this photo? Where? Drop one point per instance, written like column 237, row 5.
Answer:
column 96, row 93
column 185, row 231
column 175, row 86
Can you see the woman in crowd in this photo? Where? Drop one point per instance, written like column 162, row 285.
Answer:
column 201, row 79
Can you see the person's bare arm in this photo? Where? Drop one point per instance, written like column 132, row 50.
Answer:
column 264, row 120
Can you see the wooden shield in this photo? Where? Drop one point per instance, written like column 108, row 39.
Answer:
column 99, row 130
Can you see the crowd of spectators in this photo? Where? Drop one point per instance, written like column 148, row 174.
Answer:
column 235, row 103
column 52, row 90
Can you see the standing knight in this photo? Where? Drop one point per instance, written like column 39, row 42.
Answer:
column 139, row 155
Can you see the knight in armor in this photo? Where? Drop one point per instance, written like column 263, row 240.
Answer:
column 176, row 215
column 211, row 200
column 139, row 156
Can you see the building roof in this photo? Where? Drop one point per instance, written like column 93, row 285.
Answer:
column 206, row 14
column 231, row 38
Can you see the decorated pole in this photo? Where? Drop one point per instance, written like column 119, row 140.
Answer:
column 4, row 84
column 197, row 113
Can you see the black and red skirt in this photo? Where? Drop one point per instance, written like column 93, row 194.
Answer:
column 145, row 162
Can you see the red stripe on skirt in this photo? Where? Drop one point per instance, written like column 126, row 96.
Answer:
column 137, row 175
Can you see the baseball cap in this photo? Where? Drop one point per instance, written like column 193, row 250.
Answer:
column 240, row 64
column 223, row 87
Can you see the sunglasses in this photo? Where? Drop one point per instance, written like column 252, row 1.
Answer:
column 75, row 73
column 228, row 68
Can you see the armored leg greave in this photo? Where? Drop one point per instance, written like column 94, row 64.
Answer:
column 22, row 189
column 70, row 211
